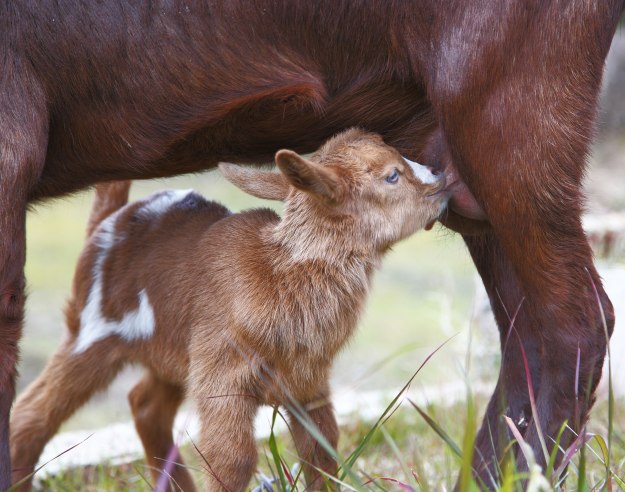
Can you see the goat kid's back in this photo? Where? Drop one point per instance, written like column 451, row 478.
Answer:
column 235, row 309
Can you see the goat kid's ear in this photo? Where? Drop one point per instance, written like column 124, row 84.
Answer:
column 310, row 177
column 261, row 184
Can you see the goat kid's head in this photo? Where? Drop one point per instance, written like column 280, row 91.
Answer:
column 355, row 179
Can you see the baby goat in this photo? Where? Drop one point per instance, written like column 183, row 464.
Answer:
column 233, row 310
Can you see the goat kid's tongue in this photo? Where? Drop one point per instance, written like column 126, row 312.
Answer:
column 429, row 225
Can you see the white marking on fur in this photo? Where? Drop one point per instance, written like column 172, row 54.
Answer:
column 161, row 201
column 421, row 172
column 137, row 324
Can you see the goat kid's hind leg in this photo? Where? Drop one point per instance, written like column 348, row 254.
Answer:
column 23, row 142
column 67, row 382
column 314, row 457
column 154, row 405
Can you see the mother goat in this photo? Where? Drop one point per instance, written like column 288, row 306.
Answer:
column 500, row 94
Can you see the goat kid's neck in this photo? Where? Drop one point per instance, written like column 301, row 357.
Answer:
column 302, row 236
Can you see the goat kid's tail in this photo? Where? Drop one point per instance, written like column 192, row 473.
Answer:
column 109, row 197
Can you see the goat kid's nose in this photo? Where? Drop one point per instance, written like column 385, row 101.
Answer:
column 425, row 174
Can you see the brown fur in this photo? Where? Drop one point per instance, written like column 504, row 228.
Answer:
column 249, row 308
column 504, row 94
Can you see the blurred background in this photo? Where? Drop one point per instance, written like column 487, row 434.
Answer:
column 426, row 292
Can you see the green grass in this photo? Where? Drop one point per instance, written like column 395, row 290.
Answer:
column 405, row 448
column 128, row 477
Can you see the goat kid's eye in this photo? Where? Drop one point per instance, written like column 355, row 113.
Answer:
column 393, row 177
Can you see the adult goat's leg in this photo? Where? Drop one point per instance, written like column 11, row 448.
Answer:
column 541, row 263
column 518, row 136
column 532, row 335
column 510, row 397
column 23, row 140
column 12, row 244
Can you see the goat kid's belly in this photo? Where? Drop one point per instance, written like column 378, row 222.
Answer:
column 164, row 359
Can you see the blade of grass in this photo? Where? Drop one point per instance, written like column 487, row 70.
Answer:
column 602, row 446
column 466, row 470
column 273, row 447
column 287, row 472
column 376, row 366
column 360, row 448
column 536, row 481
column 526, row 449
column 577, row 444
column 209, row 467
column 439, row 430
column 576, row 415
column 165, row 477
column 393, row 445
column 610, row 388
column 505, row 456
column 605, row 458
column 331, row 478
column 302, row 416
column 581, row 469
column 298, row 475
column 375, row 483
column 508, row 477
column 554, row 453
column 419, row 476
column 402, row 485
column 143, row 477
column 530, row 389
column 28, row 477
column 601, row 442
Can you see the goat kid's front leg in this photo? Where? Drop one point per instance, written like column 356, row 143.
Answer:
column 227, row 445
column 318, row 413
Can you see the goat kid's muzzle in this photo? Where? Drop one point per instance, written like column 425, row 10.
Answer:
column 427, row 176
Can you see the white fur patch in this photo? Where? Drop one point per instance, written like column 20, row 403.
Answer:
column 421, row 172
column 160, row 202
column 136, row 324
